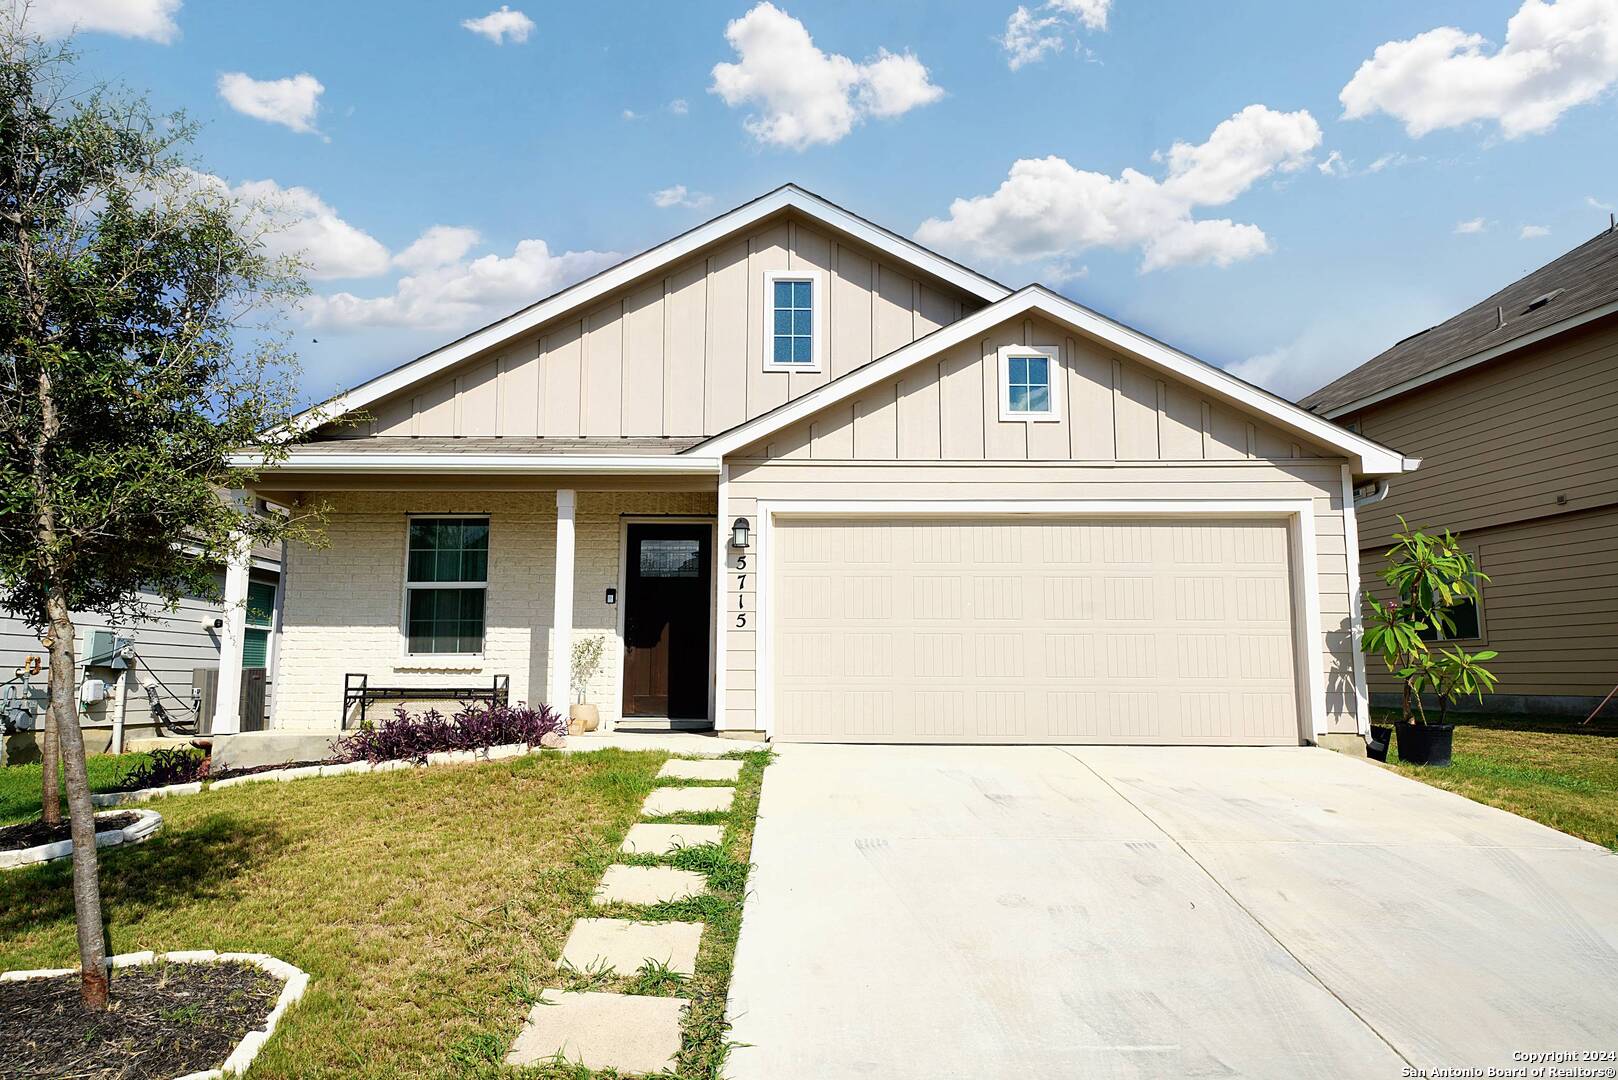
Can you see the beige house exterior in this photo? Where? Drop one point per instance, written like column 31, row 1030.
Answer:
column 809, row 481
column 1512, row 407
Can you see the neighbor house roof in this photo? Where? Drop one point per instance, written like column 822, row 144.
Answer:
column 788, row 196
column 1370, row 457
column 1577, row 288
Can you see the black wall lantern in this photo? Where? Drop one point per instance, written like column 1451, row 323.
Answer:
column 738, row 533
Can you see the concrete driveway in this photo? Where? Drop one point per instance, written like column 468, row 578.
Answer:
column 1043, row 912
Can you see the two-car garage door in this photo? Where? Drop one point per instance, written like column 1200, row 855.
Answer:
column 1033, row 630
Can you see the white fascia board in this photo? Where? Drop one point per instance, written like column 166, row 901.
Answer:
column 1370, row 458
column 1473, row 360
column 400, row 464
column 591, row 289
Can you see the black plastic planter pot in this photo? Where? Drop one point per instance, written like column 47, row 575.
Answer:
column 1381, row 740
column 1425, row 744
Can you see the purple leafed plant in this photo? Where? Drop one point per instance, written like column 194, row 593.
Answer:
column 411, row 738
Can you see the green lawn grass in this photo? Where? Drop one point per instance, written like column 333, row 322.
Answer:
column 1556, row 771
column 428, row 906
column 19, row 784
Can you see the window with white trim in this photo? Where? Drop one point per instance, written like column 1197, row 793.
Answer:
column 1029, row 387
column 794, row 323
column 1467, row 617
column 446, row 585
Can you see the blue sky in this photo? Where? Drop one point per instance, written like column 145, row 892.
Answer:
column 1351, row 197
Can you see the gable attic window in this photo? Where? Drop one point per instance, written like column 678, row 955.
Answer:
column 794, row 320
column 1029, row 386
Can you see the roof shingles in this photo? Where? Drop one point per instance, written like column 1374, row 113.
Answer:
column 1583, row 279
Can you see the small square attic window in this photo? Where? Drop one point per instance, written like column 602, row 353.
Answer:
column 1030, row 383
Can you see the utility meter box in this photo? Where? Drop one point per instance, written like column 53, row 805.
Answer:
column 105, row 648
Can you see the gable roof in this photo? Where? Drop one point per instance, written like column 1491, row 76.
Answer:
column 788, row 196
column 1370, row 457
column 1582, row 285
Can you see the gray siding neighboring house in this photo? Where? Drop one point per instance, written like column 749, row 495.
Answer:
column 168, row 647
column 1512, row 406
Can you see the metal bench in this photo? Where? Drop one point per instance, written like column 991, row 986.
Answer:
column 357, row 690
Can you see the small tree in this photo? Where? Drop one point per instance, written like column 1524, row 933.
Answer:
column 586, row 661
column 1429, row 576
column 130, row 370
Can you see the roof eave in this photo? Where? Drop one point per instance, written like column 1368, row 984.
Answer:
column 1472, row 360
column 1369, row 458
column 580, row 294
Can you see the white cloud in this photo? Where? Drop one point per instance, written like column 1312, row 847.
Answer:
column 679, row 106
column 806, row 96
column 1470, row 227
column 295, row 221
column 679, row 196
column 461, row 294
column 149, row 19
column 291, row 102
column 500, row 26
column 1556, row 56
column 1390, row 161
column 440, row 245
column 1598, row 204
column 1046, row 208
column 1029, row 38
column 1533, row 232
column 1334, row 165
column 631, row 114
column 1092, row 13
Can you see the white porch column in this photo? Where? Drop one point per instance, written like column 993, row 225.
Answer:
column 227, row 713
column 560, row 689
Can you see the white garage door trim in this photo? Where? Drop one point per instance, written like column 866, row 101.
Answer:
column 1299, row 514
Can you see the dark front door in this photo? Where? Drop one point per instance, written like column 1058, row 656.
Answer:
column 667, row 593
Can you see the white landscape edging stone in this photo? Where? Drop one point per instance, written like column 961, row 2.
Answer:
column 293, row 984
column 124, row 798
column 146, row 824
column 345, row 768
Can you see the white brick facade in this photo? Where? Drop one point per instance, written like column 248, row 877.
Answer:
column 344, row 602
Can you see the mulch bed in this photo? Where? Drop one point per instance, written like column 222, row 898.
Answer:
column 34, row 833
column 162, row 1021
column 226, row 774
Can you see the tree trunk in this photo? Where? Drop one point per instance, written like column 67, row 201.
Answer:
column 50, row 785
column 81, row 814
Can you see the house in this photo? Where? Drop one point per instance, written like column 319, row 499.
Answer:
column 1512, row 406
column 811, row 481
column 155, row 700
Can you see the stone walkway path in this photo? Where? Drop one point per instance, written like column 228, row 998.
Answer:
column 628, row 1032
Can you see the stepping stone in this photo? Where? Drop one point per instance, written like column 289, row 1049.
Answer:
column 676, row 769
column 645, row 839
column 687, row 800
column 622, row 946
column 601, row 1031
column 648, row 885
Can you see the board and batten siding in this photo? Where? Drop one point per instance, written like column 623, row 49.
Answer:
column 1114, row 409
column 681, row 354
column 1127, row 432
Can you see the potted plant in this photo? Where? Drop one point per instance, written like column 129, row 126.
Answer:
column 582, row 717
column 1428, row 575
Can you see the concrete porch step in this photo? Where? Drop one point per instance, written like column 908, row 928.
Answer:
column 645, row 724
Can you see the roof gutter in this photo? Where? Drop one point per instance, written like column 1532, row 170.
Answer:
column 418, row 464
column 1572, row 322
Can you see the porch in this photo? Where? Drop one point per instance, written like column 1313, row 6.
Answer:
column 447, row 571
